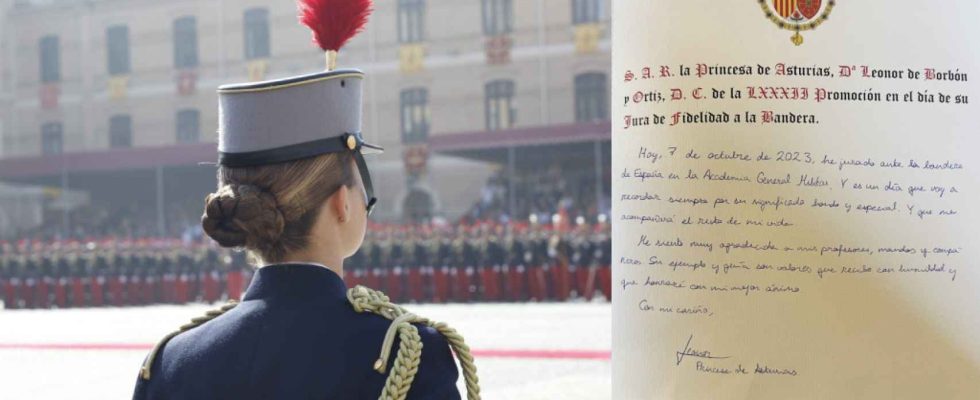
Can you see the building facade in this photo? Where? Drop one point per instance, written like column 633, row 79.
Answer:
column 91, row 76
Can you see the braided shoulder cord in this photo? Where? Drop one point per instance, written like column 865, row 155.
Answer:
column 409, row 354
column 364, row 299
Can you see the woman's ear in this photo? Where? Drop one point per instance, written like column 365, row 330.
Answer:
column 340, row 204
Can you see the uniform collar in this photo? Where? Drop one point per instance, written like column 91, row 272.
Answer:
column 304, row 281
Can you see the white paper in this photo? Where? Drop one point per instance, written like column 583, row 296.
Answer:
column 823, row 243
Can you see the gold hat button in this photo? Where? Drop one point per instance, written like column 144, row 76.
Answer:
column 351, row 142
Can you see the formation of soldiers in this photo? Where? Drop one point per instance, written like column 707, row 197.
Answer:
column 485, row 262
column 416, row 263
column 117, row 273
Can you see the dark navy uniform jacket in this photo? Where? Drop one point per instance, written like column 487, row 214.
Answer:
column 294, row 336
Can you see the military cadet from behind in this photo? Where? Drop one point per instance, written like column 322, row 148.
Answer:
column 295, row 192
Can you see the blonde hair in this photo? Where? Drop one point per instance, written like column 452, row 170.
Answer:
column 270, row 209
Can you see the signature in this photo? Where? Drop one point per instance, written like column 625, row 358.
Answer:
column 692, row 352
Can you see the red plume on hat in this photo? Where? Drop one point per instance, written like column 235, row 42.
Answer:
column 334, row 22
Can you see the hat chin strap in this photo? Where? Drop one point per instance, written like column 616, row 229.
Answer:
column 366, row 179
column 347, row 142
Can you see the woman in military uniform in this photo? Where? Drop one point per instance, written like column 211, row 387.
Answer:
column 295, row 192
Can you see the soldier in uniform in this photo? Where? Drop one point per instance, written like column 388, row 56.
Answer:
column 186, row 273
column 382, row 254
column 376, row 267
column 462, row 266
column 45, row 274
column 23, row 281
column 294, row 190
column 4, row 275
column 117, row 276
column 236, row 275
column 493, row 261
column 38, row 277
column 354, row 266
column 13, row 298
column 224, row 266
column 582, row 260
column 395, row 283
column 131, row 265
column 62, row 279
column 146, row 270
column 38, row 280
column 33, row 285
column 538, row 270
column 603, row 255
column 478, row 254
column 473, row 256
column 423, row 253
column 515, row 273
column 154, row 275
column 6, row 289
column 182, row 275
column 195, row 274
column 560, row 252
column 168, row 275
column 209, row 276
column 429, row 251
column 100, row 267
column 414, row 260
column 79, row 279
column 441, row 271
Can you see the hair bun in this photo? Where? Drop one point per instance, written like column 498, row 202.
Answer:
column 240, row 215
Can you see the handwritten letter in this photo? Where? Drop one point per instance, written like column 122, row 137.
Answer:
column 796, row 221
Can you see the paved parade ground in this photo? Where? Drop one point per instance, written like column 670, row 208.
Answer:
column 522, row 351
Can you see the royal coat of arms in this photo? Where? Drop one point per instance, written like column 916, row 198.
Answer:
column 797, row 15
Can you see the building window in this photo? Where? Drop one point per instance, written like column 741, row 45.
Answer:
column 498, row 17
column 586, row 11
column 500, row 112
column 117, row 43
column 591, row 98
column 185, row 42
column 188, row 125
column 256, row 33
column 120, row 131
column 415, row 115
column 50, row 59
column 411, row 16
column 52, row 139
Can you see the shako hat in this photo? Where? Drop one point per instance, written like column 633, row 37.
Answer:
column 302, row 116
